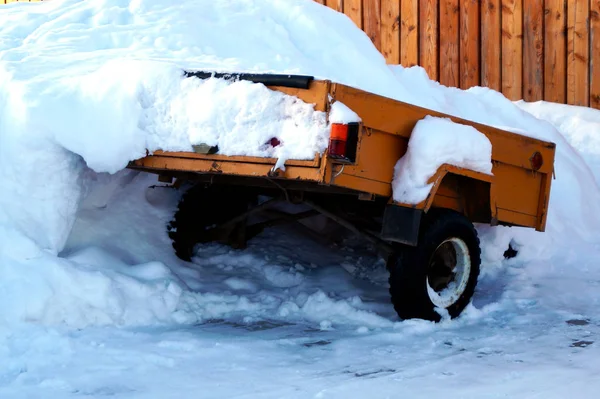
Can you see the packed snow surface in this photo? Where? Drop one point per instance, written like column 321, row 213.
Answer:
column 96, row 304
column 433, row 143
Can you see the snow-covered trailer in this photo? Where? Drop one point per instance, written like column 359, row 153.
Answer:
column 429, row 239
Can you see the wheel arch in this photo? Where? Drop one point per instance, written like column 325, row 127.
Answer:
column 465, row 191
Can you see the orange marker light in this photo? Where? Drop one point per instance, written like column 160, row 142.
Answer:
column 337, row 140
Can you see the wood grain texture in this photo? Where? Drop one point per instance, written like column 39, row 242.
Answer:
column 491, row 28
column 390, row 31
column 555, row 51
column 354, row 10
column 578, row 56
column 469, row 43
column 428, row 38
column 337, row 5
column 527, row 49
column 409, row 33
column 595, row 56
column 533, row 50
column 512, row 49
column 449, row 44
column 372, row 21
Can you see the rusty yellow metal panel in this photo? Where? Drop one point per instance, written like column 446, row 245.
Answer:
column 314, row 163
column 305, row 170
column 399, row 118
column 520, row 187
column 377, row 154
column 517, row 193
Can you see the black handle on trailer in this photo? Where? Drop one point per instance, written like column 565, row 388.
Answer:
column 295, row 81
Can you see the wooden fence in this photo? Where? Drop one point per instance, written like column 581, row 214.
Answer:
column 527, row 49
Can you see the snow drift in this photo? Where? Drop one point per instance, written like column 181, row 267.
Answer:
column 86, row 86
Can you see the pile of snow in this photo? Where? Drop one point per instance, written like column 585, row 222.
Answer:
column 156, row 109
column 92, row 84
column 434, row 142
column 98, row 83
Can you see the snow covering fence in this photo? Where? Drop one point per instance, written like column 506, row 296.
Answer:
column 527, row 49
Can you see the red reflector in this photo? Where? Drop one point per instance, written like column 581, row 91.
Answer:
column 536, row 161
column 337, row 140
column 337, row 149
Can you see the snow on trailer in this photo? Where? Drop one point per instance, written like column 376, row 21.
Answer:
column 408, row 179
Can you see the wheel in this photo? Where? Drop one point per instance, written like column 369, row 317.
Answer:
column 440, row 272
column 200, row 211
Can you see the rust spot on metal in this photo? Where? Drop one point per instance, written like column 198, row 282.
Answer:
column 215, row 167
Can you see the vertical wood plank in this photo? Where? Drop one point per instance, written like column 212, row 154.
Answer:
column 428, row 40
column 320, row 1
column 390, row 31
column 533, row 50
column 578, row 53
column 449, row 62
column 530, row 49
column 354, row 10
column 337, row 5
column 409, row 33
column 512, row 49
column 491, row 70
column 469, row 43
column 555, row 51
column 372, row 21
column 595, row 59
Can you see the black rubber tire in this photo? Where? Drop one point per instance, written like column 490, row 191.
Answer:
column 199, row 209
column 409, row 266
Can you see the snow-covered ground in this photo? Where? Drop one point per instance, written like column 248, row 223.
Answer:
column 96, row 304
column 288, row 317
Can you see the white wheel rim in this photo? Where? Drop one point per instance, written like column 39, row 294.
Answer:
column 448, row 294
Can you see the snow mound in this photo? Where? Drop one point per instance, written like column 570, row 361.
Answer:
column 434, row 142
column 98, row 83
column 93, row 84
column 116, row 113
